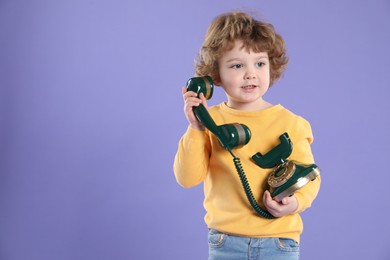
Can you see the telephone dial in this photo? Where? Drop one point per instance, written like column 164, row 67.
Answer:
column 286, row 177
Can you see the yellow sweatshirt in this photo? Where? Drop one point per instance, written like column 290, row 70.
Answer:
column 200, row 158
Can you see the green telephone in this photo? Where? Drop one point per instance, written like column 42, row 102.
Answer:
column 287, row 177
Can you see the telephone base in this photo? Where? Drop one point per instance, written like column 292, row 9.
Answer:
column 289, row 188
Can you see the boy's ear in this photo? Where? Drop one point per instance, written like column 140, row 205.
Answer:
column 217, row 81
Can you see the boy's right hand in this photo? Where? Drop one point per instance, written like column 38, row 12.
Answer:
column 191, row 100
column 287, row 206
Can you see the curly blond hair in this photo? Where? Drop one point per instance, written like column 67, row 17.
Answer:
column 256, row 36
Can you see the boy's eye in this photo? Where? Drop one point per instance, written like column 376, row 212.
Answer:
column 236, row 66
column 260, row 64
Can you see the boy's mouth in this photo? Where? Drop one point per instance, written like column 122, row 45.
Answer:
column 249, row 87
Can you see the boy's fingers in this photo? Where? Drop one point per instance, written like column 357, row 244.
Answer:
column 267, row 198
column 288, row 200
column 204, row 101
column 270, row 202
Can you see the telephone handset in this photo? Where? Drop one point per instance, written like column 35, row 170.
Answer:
column 288, row 176
column 229, row 135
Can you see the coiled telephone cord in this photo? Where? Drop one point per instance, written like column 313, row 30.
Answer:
column 248, row 190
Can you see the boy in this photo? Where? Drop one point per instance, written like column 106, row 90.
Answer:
column 245, row 57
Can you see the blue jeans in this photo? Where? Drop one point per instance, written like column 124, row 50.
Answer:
column 223, row 246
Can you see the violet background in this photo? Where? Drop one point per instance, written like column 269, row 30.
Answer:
column 91, row 114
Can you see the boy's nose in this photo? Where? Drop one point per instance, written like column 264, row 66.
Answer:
column 250, row 75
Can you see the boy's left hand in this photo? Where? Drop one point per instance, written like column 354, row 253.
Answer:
column 285, row 207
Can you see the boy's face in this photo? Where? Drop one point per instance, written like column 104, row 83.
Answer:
column 245, row 77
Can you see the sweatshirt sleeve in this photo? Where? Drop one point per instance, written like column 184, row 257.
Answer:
column 302, row 154
column 192, row 158
column 307, row 194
